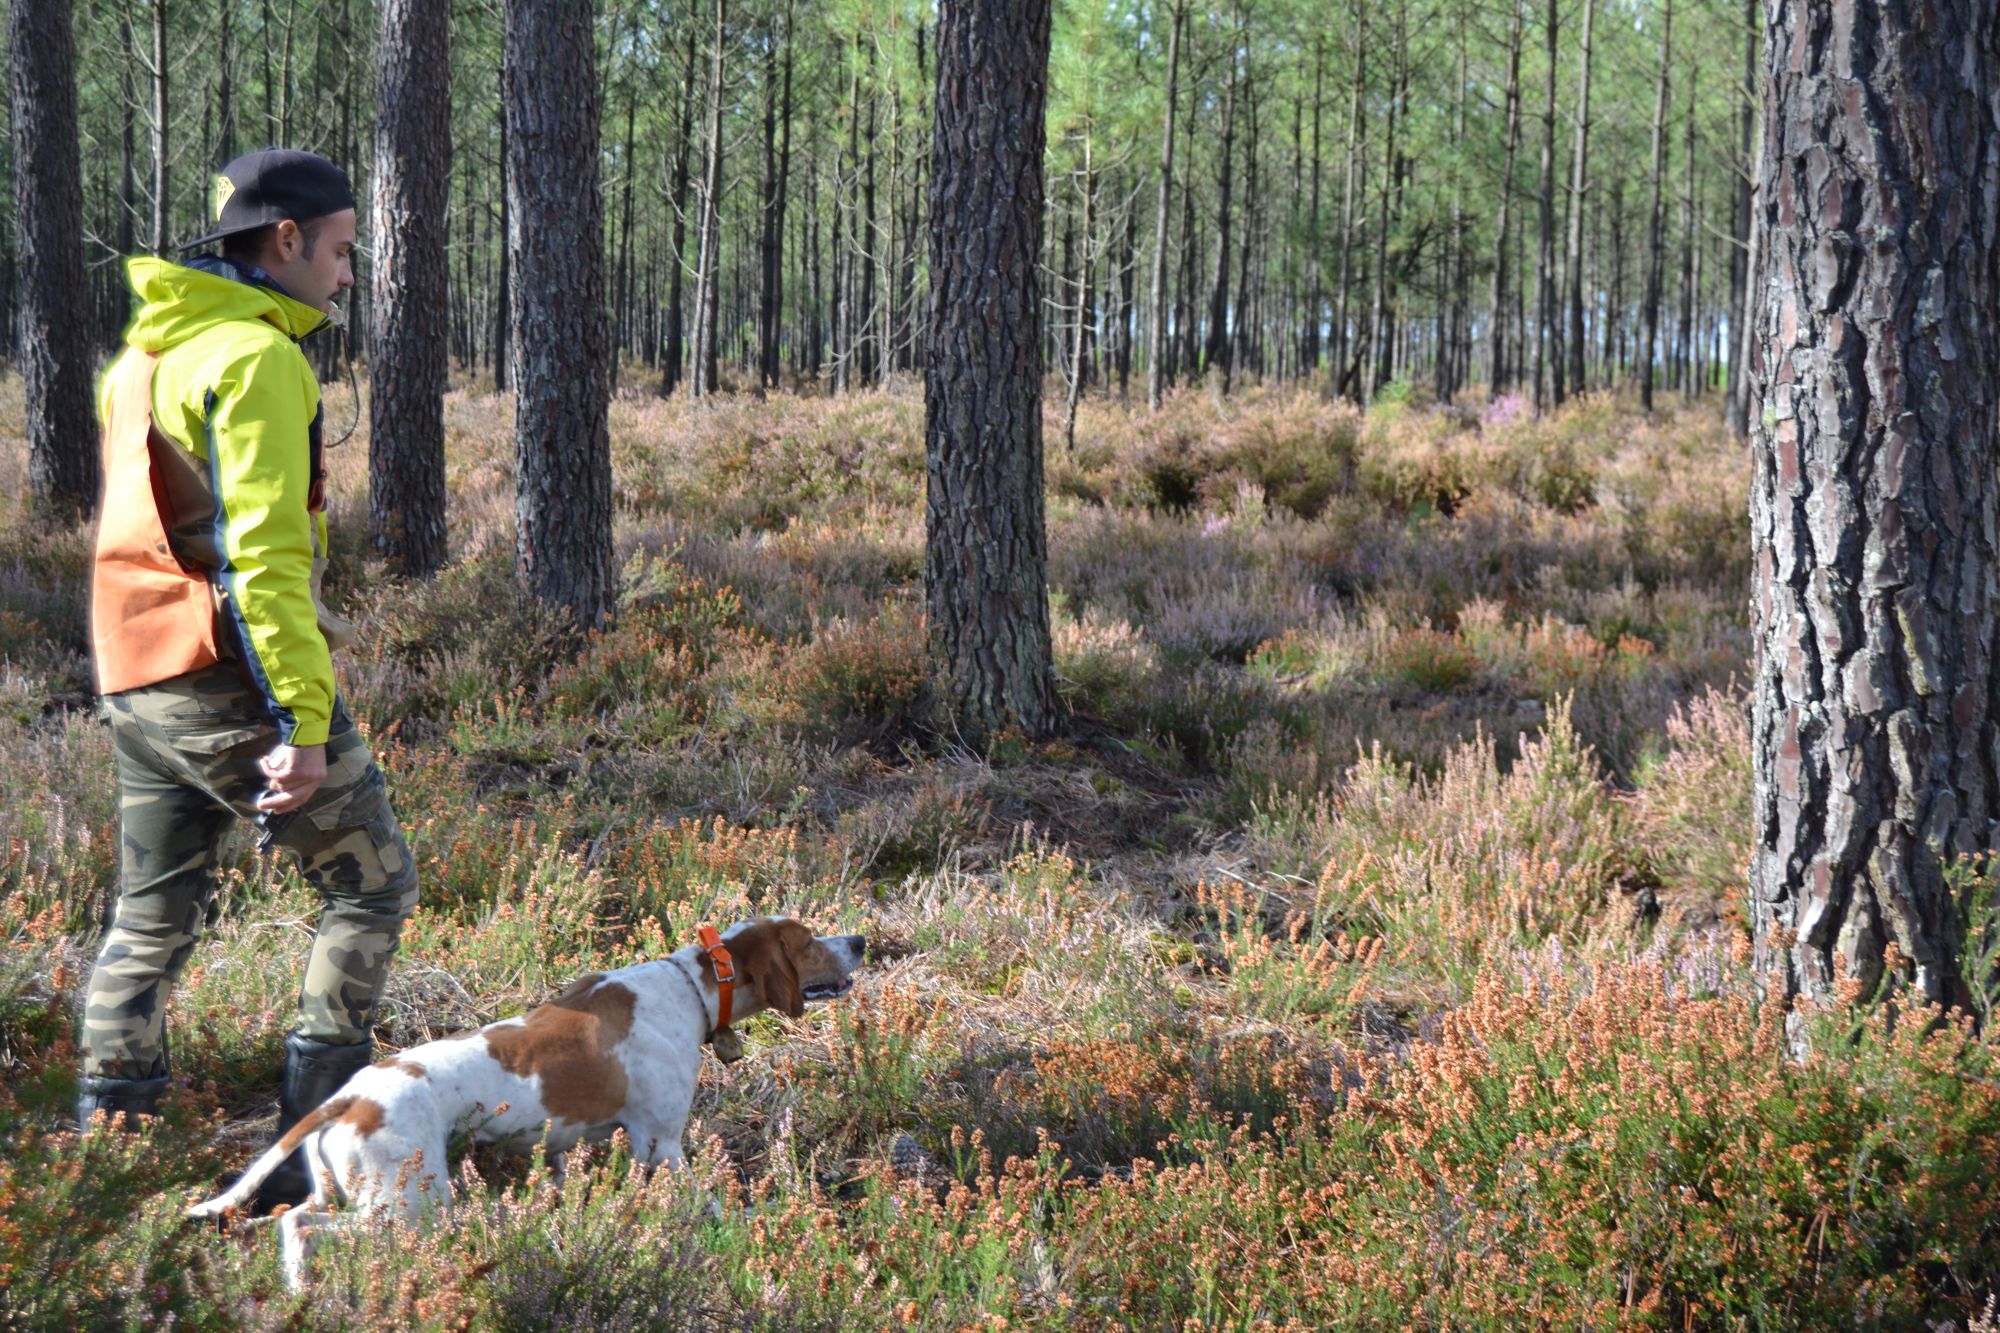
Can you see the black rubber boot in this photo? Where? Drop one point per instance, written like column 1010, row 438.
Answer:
column 133, row 1097
column 314, row 1071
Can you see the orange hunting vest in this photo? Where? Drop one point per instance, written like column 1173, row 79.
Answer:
column 152, row 604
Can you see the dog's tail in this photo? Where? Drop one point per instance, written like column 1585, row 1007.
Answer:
column 274, row 1157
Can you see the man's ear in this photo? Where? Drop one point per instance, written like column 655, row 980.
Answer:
column 769, row 966
column 285, row 240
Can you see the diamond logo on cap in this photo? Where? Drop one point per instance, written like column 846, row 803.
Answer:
column 224, row 187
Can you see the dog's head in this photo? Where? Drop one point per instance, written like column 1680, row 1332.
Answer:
column 781, row 964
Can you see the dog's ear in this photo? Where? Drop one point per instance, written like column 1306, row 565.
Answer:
column 768, row 964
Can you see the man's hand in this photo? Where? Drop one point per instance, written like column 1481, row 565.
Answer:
column 292, row 773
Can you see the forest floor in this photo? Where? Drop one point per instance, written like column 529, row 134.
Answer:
column 1371, row 953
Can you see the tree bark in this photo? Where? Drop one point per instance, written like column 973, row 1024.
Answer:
column 1156, row 322
column 1577, row 185
column 1357, row 130
column 1874, row 501
column 1545, row 242
column 986, row 545
column 1738, row 408
column 162, row 176
column 1310, row 339
column 1084, row 314
column 1496, row 356
column 1216, row 352
column 406, row 476
column 1685, row 339
column 52, row 338
column 708, row 265
column 1648, row 348
column 676, row 352
column 562, row 442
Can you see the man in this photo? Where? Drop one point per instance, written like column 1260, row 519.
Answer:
column 212, row 652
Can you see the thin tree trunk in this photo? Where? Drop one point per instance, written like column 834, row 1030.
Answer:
column 503, row 333
column 161, row 237
column 1076, row 361
column 406, row 473
column 1216, row 353
column 1740, row 262
column 1128, row 262
column 708, row 267
column 1381, row 352
column 1875, row 726
column 1156, row 325
column 676, row 353
column 1655, row 219
column 1496, row 356
column 1450, row 369
column 1545, row 245
column 868, row 234
column 1686, row 339
column 1357, row 126
column 768, row 241
column 1577, row 185
column 51, row 336
column 1246, row 321
column 1310, row 343
column 986, row 544
column 621, row 291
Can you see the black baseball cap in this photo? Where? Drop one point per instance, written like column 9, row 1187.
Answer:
column 272, row 184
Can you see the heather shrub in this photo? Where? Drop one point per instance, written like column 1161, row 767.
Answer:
column 859, row 681
column 1416, row 462
column 1447, row 868
column 59, row 822
column 1692, row 811
column 1312, row 980
column 44, row 576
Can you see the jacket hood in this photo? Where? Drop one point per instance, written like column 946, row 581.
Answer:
column 176, row 302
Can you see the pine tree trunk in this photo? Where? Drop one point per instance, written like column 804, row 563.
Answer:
column 1156, row 322
column 1740, row 263
column 1496, row 356
column 1216, row 353
column 503, row 331
column 1310, row 339
column 52, row 338
column 406, row 477
column 621, row 321
column 562, row 443
column 1128, row 262
column 162, row 236
column 1577, row 185
column 1685, row 340
column 986, row 547
column 1545, row 244
column 1381, row 335
column 1874, row 501
column 708, row 265
column 1083, row 313
column 868, row 234
column 675, row 358
column 1357, row 128
column 1655, row 217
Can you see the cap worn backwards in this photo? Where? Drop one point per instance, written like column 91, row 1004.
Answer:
column 271, row 185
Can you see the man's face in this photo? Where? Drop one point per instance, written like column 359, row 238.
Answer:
column 316, row 272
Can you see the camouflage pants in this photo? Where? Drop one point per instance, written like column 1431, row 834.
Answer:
column 187, row 753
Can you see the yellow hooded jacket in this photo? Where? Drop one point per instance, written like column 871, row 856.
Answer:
column 213, row 508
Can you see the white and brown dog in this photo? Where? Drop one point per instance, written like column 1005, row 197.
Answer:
column 615, row 1049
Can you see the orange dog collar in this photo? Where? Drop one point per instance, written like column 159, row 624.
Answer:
column 725, row 972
